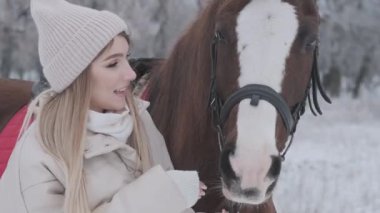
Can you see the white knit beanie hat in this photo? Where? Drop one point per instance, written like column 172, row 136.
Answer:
column 70, row 37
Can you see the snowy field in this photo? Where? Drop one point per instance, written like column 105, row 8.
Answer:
column 333, row 165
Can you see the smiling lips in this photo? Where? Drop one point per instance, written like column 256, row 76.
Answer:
column 121, row 92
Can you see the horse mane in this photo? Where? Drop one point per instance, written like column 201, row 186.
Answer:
column 183, row 96
column 174, row 90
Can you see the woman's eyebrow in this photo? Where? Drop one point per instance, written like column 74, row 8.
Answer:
column 114, row 56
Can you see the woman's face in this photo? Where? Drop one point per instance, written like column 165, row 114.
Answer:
column 111, row 76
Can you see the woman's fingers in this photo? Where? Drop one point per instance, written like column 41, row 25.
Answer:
column 202, row 185
column 202, row 189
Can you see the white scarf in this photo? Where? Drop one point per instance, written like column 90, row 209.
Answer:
column 117, row 125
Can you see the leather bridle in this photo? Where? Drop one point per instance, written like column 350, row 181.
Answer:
column 220, row 109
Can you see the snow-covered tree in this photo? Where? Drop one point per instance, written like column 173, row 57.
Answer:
column 350, row 43
column 349, row 35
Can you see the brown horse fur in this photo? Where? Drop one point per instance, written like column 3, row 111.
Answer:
column 14, row 94
column 180, row 91
column 299, row 62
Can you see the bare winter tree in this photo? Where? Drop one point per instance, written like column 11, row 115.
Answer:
column 349, row 30
column 154, row 26
column 18, row 38
column 350, row 42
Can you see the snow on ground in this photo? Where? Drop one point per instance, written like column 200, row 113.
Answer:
column 334, row 162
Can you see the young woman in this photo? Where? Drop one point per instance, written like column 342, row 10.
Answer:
column 88, row 144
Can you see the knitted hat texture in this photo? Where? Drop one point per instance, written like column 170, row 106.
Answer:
column 70, row 37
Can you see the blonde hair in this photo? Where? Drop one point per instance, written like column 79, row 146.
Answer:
column 62, row 122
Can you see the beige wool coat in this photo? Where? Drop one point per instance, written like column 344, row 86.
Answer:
column 34, row 183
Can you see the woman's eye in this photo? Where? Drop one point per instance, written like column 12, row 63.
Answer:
column 112, row 65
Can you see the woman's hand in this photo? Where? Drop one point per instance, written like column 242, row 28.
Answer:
column 202, row 189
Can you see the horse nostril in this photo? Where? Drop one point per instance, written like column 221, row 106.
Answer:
column 270, row 188
column 228, row 174
column 252, row 192
column 275, row 168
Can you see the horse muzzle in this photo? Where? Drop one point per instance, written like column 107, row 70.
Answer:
column 247, row 181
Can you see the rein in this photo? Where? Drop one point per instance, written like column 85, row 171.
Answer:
column 290, row 116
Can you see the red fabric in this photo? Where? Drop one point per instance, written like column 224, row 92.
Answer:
column 8, row 137
column 145, row 94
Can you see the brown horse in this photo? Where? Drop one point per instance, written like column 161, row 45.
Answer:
column 229, row 97
column 14, row 94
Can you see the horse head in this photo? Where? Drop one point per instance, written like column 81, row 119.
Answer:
column 263, row 65
column 245, row 69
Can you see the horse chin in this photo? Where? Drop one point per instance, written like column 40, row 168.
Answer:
column 243, row 199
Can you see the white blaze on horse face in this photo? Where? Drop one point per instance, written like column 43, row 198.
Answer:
column 266, row 30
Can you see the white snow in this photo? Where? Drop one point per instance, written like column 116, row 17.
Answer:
column 333, row 164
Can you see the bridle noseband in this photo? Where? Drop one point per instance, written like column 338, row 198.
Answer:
column 256, row 92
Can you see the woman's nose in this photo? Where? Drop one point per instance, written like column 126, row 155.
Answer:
column 129, row 73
